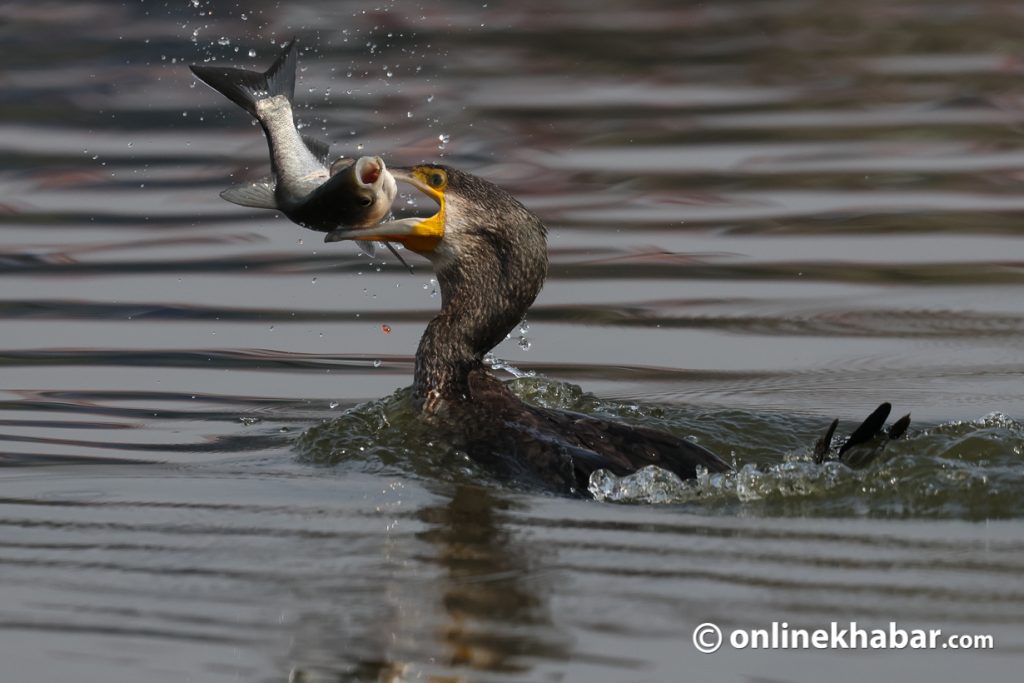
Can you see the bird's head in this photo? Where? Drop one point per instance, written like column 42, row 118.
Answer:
column 468, row 207
column 489, row 253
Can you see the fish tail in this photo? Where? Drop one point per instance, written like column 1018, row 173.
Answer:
column 246, row 88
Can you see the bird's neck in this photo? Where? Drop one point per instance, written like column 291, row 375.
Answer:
column 483, row 298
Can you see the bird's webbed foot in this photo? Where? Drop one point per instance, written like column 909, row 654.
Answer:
column 867, row 441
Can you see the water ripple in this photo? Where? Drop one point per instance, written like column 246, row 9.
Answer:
column 761, row 216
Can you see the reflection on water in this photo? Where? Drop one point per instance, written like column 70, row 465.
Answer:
column 763, row 215
column 487, row 610
column 258, row 572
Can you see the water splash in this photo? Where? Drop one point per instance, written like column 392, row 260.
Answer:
column 522, row 340
column 750, row 483
column 386, row 436
column 963, row 469
column 496, row 363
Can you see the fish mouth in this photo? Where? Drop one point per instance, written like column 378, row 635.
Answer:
column 370, row 171
column 373, row 175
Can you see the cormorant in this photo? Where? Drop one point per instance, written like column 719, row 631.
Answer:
column 489, row 253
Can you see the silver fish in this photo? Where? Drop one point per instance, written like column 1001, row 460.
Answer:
column 304, row 186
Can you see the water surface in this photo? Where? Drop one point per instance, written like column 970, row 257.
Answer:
column 762, row 215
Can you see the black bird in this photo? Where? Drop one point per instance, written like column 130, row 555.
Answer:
column 490, row 256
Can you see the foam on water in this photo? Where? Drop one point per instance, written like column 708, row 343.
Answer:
column 960, row 469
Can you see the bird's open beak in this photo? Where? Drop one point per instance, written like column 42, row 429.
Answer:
column 416, row 234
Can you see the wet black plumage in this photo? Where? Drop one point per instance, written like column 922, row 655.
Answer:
column 490, row 256
column 490, row 268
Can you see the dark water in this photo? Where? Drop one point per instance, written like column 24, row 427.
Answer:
column 762, row 214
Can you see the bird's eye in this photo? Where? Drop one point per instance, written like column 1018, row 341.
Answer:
column 436, row 179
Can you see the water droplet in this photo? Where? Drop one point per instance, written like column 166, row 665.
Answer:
column 376, row 363
column 334, row 404
column 443, row 140
column 386, row 329
column 252, row 52
column 523, row 340
column 314, row 281
column 224, row 41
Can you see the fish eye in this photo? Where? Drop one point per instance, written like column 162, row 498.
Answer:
column 365, row 201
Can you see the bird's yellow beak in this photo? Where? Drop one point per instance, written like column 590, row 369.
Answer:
column 421, row 235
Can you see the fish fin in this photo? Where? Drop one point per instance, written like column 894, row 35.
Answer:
column 398, row 256
column 281, row 74
column 340, row 164
column 258, row 194
column 245, row 88
column 318, row 148
column 370, row 249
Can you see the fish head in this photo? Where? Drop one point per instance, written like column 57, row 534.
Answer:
column 357, row 193
column 360, row 191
